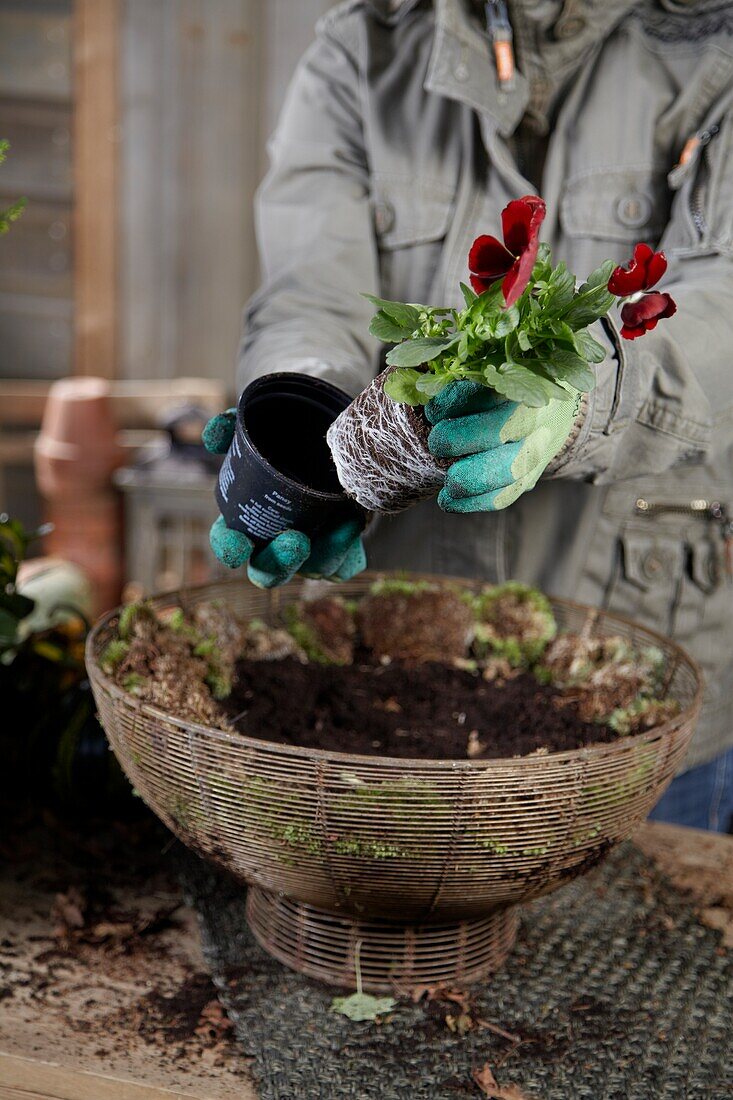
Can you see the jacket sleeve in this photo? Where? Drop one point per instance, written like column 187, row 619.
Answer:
column 660, row 399
column 315, row 232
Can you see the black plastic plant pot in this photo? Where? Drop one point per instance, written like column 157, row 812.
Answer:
column 278, row 473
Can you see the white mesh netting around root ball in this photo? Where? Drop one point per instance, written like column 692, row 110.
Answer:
column 381, row 458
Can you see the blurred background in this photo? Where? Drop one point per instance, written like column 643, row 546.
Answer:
column 137, row 133
column 136, row 136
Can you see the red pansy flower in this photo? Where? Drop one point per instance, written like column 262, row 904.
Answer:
column 642, row 316
column 643, row 312
column 642, row 272
column 513, row 260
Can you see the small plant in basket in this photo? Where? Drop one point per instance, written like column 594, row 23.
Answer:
column 523, row 333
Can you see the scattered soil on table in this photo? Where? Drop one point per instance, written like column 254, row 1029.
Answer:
column 404, row 711
column 97, row 943
column 191, row 1012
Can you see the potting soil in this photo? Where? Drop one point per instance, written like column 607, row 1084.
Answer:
column 428, row 711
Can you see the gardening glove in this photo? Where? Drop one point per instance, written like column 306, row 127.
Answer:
column 501, row 447
column 336, row 555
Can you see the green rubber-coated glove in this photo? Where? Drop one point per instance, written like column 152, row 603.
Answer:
column 501, row 447
column 337, row 555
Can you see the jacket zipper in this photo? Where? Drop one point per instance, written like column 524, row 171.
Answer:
column 711, row 510
column 697, row 199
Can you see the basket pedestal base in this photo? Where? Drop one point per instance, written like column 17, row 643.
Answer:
column 322, row 945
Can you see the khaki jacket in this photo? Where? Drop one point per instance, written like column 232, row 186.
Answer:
column 396, row 148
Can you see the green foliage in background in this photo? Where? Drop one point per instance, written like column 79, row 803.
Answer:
column 12, row 212
column 52, row 748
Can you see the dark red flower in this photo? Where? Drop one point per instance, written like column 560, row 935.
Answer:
column 513, row 260
column 642, row 272
column 642, row 316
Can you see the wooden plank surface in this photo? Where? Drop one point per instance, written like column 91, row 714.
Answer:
column 135, row 404
column 26, row 1079
column 76, row 1017
column 698, row 863
column 201, row 86
column 96, row 135
column 190, row 106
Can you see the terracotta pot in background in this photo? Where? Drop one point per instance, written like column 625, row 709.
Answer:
column 75, row 455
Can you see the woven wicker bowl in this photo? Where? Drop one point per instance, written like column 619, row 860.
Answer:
column 418, row 861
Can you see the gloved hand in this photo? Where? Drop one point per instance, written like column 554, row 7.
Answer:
column 501, row 447
column 337, row 555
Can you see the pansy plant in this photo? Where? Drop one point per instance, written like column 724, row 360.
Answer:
column 523, row 330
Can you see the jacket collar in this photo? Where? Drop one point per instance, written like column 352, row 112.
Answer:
column 461, row 63
column 389, row 11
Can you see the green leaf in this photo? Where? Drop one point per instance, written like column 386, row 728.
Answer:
column 588, row 307
column 593, row 300
column 524, row 341
column 599, row 277
column 14, row 535
column 401, row 386
column 563, row 333
column 525, row 386
column 560, row 291
column 430, row 385
column 469, row 295
column 406, row 316
column 566, row 366
column 490, row 375
column 412, row 353
column 11, row 214
column 589, row 347
column 8, row 628
column 387, row 330
column 505, row 322
column 491, row 299
column 16, row 604
column 362, row 1006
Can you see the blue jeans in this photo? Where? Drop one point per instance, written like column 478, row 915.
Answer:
column 701, row 798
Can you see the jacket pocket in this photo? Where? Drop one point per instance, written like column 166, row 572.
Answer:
column 702, row 221
column 648, row 576
column 670, row 572
column 411, row 221
column 623, row 205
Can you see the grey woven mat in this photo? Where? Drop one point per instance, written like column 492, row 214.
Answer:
column 616, row 990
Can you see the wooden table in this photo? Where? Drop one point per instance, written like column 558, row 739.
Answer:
column 79, row 1038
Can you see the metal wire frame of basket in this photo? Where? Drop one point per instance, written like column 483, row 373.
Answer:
column 420, row 862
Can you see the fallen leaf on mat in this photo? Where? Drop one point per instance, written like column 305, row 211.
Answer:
column 459, row 1025
column 362, row 1006
column 721, row 920
column 490, row 1087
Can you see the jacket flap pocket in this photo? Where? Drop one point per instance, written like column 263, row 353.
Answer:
column 408, row 212
column 616, row 204
column 651, row 559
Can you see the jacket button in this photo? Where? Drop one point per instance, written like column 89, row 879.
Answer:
column 634, row 210
column 384, row 217
column 655, row 565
